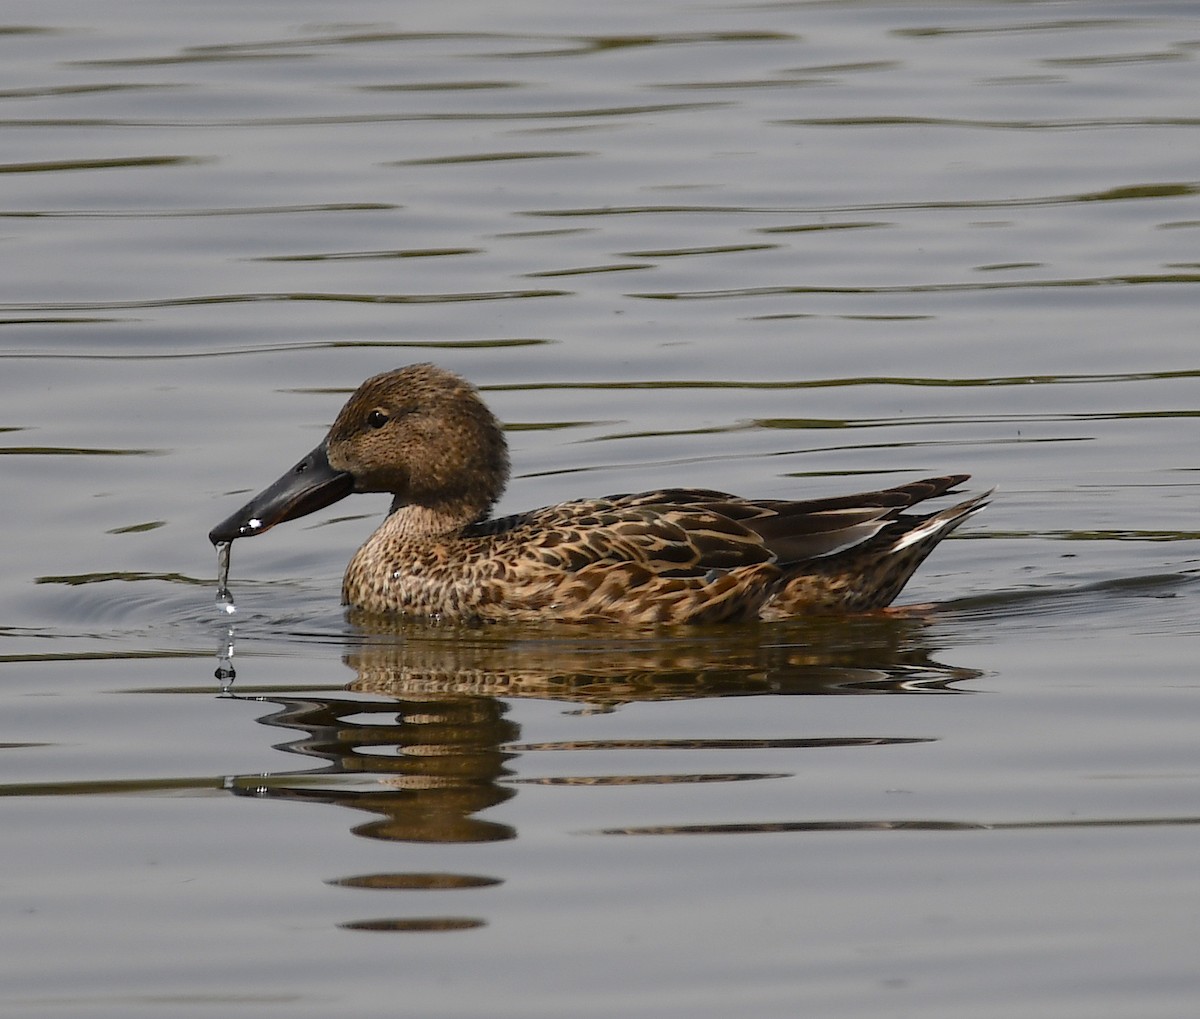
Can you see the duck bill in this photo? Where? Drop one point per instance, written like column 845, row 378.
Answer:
column 309, row 486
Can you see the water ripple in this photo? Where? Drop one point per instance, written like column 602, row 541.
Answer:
column 179, row 302
column 1141, row 279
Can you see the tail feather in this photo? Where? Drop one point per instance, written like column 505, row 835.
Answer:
column 871, row 574
column 938, row 525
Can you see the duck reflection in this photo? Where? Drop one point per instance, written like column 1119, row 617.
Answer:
column 429, row 764
column 882, row 653
column 421, row 739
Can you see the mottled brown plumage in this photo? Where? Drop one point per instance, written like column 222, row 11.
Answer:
column 670, row 556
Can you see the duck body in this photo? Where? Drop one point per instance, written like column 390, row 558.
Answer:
column 662, row 557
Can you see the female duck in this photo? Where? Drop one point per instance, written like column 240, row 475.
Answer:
column 671, row 556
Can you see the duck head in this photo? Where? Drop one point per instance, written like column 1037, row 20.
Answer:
column 421, row 433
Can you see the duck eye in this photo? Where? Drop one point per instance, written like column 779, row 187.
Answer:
column 377, row 419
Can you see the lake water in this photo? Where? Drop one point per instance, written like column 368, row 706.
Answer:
column 779, row 249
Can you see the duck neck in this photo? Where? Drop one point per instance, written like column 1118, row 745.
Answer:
column 420, row 521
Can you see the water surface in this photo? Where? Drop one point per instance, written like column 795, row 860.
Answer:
column 775, row 249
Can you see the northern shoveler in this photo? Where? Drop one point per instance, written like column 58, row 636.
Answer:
column 670, row 556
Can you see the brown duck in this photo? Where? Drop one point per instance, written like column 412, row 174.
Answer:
column 671, row 556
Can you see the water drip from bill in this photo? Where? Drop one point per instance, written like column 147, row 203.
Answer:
column 225, row 606
column 224, row 598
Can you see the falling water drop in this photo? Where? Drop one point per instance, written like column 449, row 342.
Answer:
column 225, row 672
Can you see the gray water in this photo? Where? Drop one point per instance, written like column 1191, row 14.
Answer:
column 779, row 249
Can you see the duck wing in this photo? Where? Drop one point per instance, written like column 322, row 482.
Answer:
column 681, row 532
column 791, row 531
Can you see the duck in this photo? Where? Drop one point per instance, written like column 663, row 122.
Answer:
column 663, row 557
